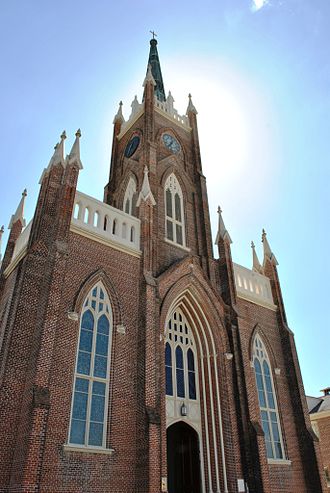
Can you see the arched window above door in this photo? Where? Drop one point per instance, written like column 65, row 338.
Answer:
column 180, row 358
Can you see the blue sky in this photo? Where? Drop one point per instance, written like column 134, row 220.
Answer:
column 259, row 73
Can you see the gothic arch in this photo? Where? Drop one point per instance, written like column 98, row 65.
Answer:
column 258, row 330
column 204, row 319
column 86, row 286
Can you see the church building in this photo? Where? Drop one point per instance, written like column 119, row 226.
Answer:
column 132, row 360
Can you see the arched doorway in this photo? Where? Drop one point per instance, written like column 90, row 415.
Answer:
column 183, row 463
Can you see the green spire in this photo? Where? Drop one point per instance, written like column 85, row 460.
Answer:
column 156, row 70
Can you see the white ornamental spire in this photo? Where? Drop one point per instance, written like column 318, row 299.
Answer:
column 191, row 108
column 268, row 254
column 149, row 77
column 119, row 115
column 146, row 193
column 135, row 105
column 256, row 264
column 74, row 156
column 222, row 231
column 19, row 214
column 58, row 156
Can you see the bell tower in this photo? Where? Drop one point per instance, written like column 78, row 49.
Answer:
column 158, row 139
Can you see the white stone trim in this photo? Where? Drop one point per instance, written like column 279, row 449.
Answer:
column 319, row 415
column 127, row 125
column 279, row 462
column 253, row 286
column 185, row 248
column 88, row 450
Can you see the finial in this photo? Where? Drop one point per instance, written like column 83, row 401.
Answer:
column 149, row 77
column 58, row 156
column 74, row 156
column 256, row 264
column 191, row 108
column 146, row 193
column 267, row 250
column 119, row 115
column 2, row 229
column 153, row 34
column 18, row 216
column 222, row 231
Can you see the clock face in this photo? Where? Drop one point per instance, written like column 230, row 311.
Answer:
column 171, row 143
column 132, row 145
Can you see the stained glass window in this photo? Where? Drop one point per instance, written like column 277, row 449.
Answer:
column 180, row 359
column 91, row 385
column 267, row 401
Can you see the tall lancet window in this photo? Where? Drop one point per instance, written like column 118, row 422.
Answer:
column 174, row 211
column 130, row 198
column 91, row 383
column 267, row 401
column 180, row 358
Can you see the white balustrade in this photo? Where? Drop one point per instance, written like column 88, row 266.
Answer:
column 164, row 106
column 253, row 286
column 167, row 107
column 106, row 222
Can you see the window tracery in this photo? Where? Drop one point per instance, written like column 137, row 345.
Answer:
column 174, row 212
column 180, row 358
column 91, row 382
column 267, row 401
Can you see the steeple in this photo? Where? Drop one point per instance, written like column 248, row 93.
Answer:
column 268, row 254
column 222, row 231
column 256, row 264
column 74, row 156
column 18, row 216
column 156, row 70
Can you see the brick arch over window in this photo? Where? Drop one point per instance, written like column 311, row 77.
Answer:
column 174, row 211
column 85, row 287
column 258, row 330
column 209, row 347
column 171, row 131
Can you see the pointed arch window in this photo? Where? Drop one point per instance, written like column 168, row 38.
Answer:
column 89, row 408
column 180, row 358
column 174, row 212
column 267, row 401
column 130, row 198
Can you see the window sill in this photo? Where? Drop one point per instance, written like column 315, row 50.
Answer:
column 88, row 450
column 170, row 242
column 279, row 462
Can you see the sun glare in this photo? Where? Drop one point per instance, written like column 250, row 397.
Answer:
column 258, row 4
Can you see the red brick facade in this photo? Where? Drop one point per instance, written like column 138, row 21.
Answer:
column 41, row 299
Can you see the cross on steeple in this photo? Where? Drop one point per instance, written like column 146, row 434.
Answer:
column 153, row 34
